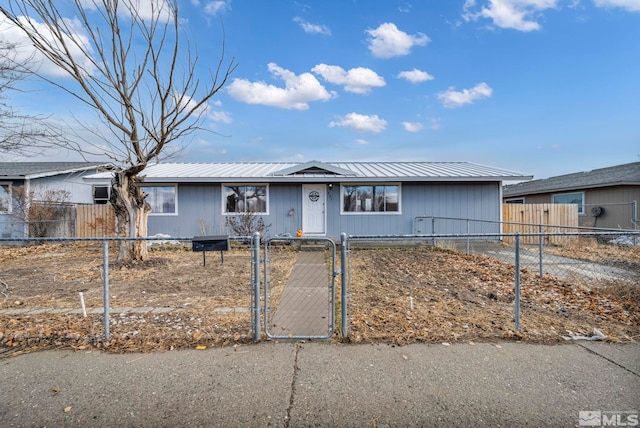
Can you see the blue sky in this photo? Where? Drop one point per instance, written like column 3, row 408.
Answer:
column 544, row 87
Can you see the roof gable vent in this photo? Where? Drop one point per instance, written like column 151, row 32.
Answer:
column 314, row 167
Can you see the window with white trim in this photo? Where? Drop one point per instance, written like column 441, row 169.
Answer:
column 371, row 198
column 163, row 199
column 245, row 198
column 6, row 198
column 570, row 198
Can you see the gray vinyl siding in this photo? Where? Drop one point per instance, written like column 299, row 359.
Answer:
column 200, row 211
column 200, row 204
column 198, row 208
column 480, row 201
column 80, row 192
column 617, row 202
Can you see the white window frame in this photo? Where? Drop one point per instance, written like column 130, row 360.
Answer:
column 580, row 206
column 175, row 187
column 343, row 212
column 224, row 201
column 9, row 209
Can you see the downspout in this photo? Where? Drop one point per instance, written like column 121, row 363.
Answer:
column 27, row 206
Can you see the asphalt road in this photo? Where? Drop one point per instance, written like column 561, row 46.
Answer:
column 325, row 384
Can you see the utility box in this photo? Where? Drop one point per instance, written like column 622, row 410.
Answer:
column 210, row 243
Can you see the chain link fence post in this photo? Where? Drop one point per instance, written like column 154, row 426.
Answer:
column 540, row 250
column 468, row 238
column 517, row 299
column 105, row 261
column 343, row 285
column 256, row 286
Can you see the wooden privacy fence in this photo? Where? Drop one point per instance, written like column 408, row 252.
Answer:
column 525, row 218
column 95, row 221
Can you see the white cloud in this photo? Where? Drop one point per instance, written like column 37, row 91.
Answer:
column 452, row 98
column 361, row 123
column 515, row 14
column 415, row 76
column 388, row 41
column 405, row 7
column 221, row 151
column 312, row 28
column 217, row 6
column 412, row 126
column 362, row 142
column 204, row 110
column 145, row 9
column 630, row 5
column 358, row 80
column 219, row 116
column 25, row 52
column 299, row 90
column 434, row 123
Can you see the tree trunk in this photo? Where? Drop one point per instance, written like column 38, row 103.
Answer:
column 132, row 211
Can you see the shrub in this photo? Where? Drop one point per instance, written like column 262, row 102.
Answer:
column 246, row 224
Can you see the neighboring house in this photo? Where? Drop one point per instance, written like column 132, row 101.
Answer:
column 39, row 177
column 321, row 199
column 605, row 197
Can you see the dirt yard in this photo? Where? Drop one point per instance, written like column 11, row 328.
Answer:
column 398, row 296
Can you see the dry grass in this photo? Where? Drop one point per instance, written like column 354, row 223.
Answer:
column 459, row 298
column 397, row 296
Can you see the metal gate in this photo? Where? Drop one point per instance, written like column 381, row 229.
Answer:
column 299, row 300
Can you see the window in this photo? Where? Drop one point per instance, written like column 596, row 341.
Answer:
column 514, row 201
column 571, row 198
column 100, row 194
column 163, row 199
column 5, row 198
column 371, row 198
column 244, row 199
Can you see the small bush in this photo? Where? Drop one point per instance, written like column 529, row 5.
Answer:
column 246, row 224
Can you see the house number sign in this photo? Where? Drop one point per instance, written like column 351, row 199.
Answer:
column 314, row 195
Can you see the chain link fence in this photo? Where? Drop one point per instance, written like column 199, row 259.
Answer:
column 59, row 291
column 299, row 299
column 453, row 286
column 422, row 287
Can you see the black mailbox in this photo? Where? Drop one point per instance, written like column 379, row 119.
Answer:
column 210, row 243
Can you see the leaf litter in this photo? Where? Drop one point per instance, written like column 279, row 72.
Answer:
column 399, row 296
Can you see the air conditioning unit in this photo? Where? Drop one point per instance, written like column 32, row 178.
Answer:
column 101, row 194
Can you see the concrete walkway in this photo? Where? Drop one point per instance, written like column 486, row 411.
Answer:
column 304, row 309
column 326, row 385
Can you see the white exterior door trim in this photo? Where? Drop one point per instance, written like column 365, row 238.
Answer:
column 314, row 213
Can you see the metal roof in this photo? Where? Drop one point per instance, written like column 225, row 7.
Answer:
column 28, row 170
column 626, row 174
column 271, row 172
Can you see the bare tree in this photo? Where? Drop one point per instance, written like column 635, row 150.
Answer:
column 138, row 74
column 20, row 134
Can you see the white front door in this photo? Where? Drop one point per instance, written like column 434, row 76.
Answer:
column 313, row 209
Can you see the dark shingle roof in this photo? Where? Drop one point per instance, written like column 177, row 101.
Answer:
column 626, row 174
column 22, row 170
